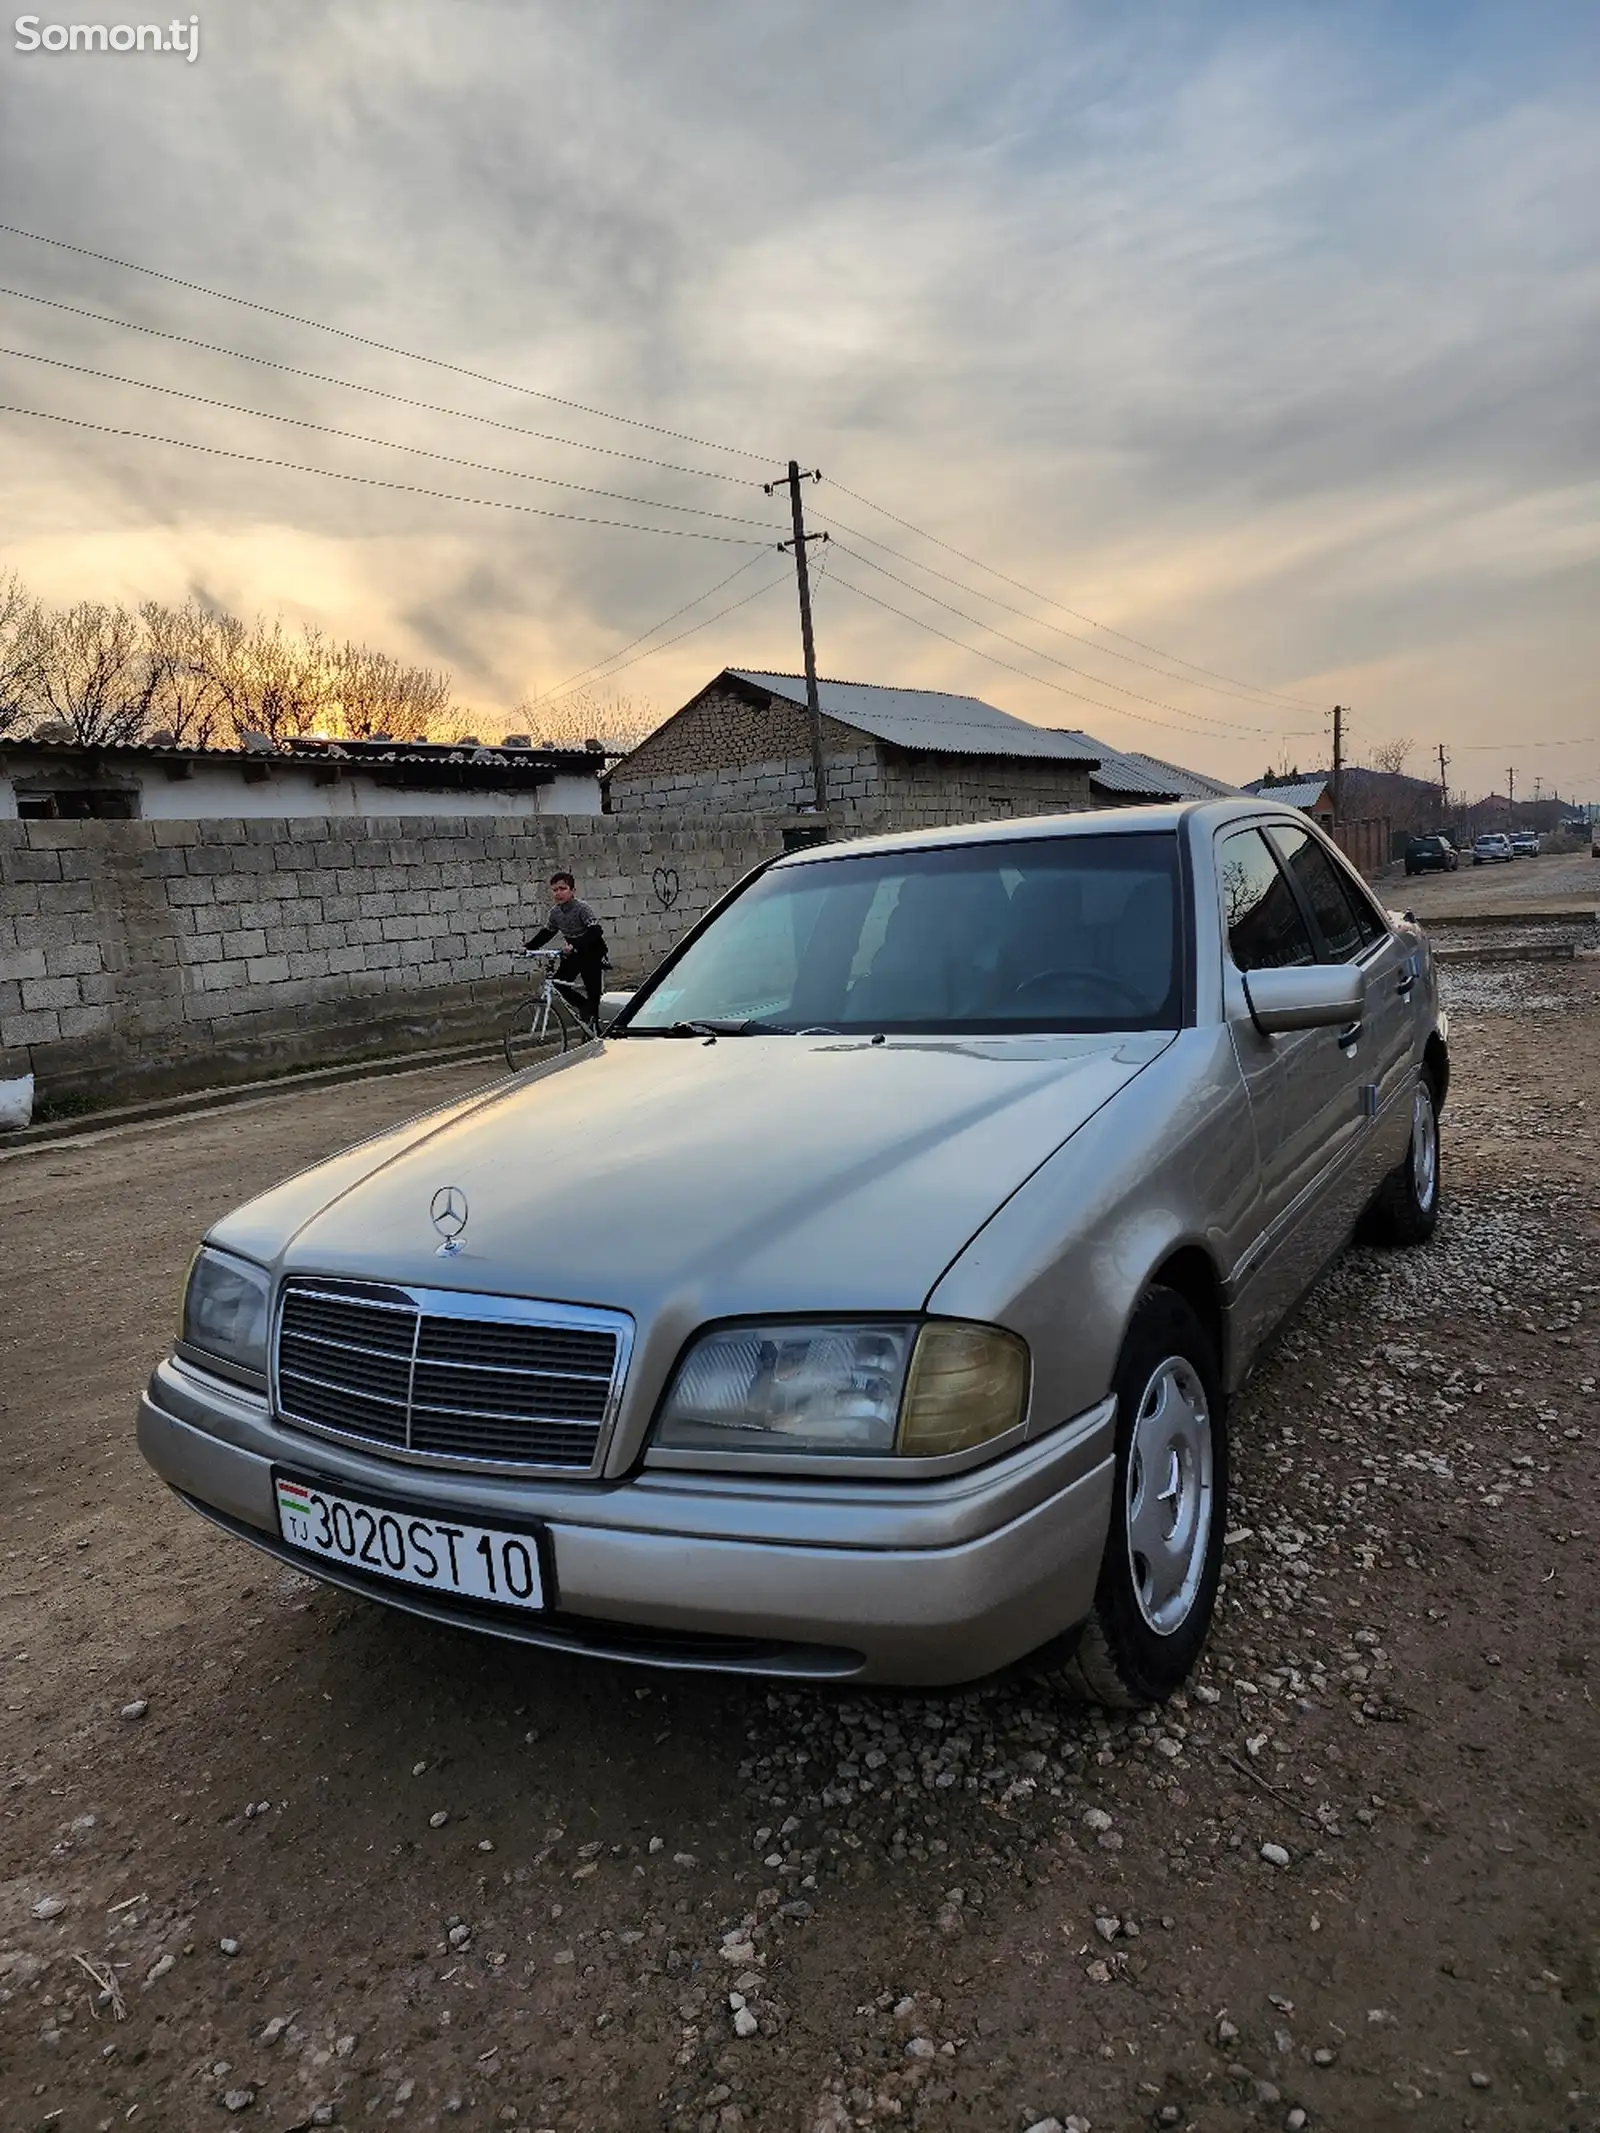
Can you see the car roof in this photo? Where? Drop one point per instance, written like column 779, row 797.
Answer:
column 1012, row 829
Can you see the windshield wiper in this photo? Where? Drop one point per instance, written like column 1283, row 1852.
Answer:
column 749, row 1028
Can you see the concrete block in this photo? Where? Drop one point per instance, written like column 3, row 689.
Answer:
column 191, row 890
column 341, row 961
column 267, row 969
column 28, row 865
column 58, row 898
column 241, row 941
column 218, row 977
column 84, row 1021
column 260, row 914
column 10, row 999
column 50, row 992
column 310, row 963
column 287, row 940
column 24, row 963
column 42, row 1027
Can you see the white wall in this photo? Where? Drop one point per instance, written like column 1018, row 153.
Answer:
column 214, row 789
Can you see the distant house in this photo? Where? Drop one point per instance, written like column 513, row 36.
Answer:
column 1312, row 793
column 55, row 779
column 907, row 756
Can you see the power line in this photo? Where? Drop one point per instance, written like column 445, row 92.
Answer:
column 323, row 429
column 575, row 680
column 1300, row 702
column 411, row 355
column 376, row 392
column 1582, row 740
column 1261, row 699
column 1201, row 720
column 1117, row 710
column 373, row 481
column 691, row 631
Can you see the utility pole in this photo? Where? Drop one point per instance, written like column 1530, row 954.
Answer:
column 1511, row 794
column 1444, row 789
column 1340, row 712
column 819, row 768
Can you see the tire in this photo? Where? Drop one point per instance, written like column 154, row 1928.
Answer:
column 1405, row 1208
column 1145, row 1630
column 517, row 1040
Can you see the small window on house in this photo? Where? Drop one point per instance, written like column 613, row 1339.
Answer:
column 87, row 803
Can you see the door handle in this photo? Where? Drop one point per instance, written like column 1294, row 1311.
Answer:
column 1349, row 1036
column 1404, row 982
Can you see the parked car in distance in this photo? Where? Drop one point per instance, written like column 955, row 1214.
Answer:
column 867, row 1302
column 1491, row 847
column 1431, row 855
column 1525, row 844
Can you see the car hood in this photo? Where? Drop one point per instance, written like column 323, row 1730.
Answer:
column 749, row 1175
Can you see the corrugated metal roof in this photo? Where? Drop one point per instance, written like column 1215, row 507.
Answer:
column 1303, row 792
column 1186, row 784
column 929, row 719
column 1120, row 772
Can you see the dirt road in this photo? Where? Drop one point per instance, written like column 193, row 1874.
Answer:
column 1555, row 881
column 338, row 1867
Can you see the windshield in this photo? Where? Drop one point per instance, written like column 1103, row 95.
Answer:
column 1061, row 933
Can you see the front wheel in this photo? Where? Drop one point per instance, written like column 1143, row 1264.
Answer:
column 528, row 1034
column 1158, row 1579
column 1405, row 1209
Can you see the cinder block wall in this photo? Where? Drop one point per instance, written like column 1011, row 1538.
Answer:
column 723, row 753
column 138, row 957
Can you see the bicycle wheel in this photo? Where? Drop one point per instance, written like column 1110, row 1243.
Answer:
column 526, row 1034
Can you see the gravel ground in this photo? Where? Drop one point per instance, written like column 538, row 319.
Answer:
column 274, row 1854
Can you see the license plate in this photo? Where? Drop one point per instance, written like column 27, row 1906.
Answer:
column 469, row 1562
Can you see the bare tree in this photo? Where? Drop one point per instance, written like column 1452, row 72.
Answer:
column 109, row 674
column 19, row 654
column 269, row 680
column 1391, row 755
column 92, row 676
column 181, row 645
column 617, row 722
column 371, row 693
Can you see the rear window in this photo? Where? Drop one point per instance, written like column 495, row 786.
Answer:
column 1061, row 933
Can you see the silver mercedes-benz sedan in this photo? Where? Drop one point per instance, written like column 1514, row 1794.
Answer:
column 866, row 1303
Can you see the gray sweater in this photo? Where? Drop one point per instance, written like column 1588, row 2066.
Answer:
column 574, row 921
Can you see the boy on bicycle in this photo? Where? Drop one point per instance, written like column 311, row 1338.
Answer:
column 582, row 941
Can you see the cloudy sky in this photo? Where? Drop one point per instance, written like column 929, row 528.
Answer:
column 1263, row 336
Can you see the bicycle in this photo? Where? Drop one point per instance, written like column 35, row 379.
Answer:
column 550, row 1018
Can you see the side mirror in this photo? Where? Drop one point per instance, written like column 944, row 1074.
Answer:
column 1306, row 996
column 611, row 1005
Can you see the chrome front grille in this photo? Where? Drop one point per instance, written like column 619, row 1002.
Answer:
column 431, row 1374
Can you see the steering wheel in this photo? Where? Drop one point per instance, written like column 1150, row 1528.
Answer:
column 1120, row 994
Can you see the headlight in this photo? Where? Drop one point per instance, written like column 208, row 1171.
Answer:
column 869, row 1390
column 225, row 1310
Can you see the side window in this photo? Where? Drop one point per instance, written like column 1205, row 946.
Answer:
column 1265, row 929
column 1322, row 889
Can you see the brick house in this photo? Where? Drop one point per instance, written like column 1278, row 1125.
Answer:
column 900, row 758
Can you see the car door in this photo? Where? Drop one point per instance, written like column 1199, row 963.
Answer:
column 1301, row 1084
column 1348, row 928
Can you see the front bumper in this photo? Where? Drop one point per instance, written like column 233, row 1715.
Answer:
column 920, row 1583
